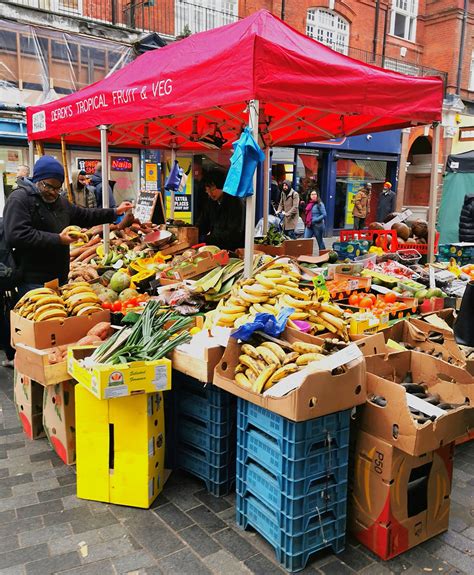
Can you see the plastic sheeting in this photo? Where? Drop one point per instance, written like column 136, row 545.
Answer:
column 455, row 188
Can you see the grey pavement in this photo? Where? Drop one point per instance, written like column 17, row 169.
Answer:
column 45, row 529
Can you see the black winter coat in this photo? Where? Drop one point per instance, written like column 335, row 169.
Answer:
column 466, row 220
column 32, row 228
column 222, row 224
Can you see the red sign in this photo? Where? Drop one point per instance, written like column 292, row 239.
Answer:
column 121, row 164
column 87, row 165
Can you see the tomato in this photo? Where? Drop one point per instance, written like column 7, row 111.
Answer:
column 354, row 299
column 117, row 306
column 132, row 302
column 107, row 305
column 372, row 296
column 390, row 297
column 365, row 302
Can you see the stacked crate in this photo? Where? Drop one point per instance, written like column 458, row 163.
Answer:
column 291, row 481
column 204, row 433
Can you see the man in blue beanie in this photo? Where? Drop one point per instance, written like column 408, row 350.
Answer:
column 35, row 217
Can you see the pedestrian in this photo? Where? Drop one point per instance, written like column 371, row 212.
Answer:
column 22, row 172
column 361, row 207
column 386, row 203
column 83, row 194
column 35, row 217
column 289, row 208
column 96, row 183
column 315, row 219
column 466, row 220
column 221, row 222
column 274, row 196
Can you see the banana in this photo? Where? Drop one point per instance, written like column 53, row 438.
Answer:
column 88, row 309
column 250, row 363
column 276, row 349
column 299, row 315
column 229, row 318
column 308, row 358
column 233, row 309
column 49, row 300
column 250, row 374
column 252, row 298
column 258, row 307
column 269, row 308
column 82, row 298
column 80, row 306
column 291, row 357
column 269, row 283
column 270, row 273
column 297, row 303
column 294, row 292
column 242, row 320
column 240, row 368
column 40, row 309
column 258, row 290
column 243, row 381
column 263, row 377
column 39, row 296
column 280, row 373
column 77, row 290
column 268, row 355
column 301, row 347
column 50, row 314
column 251, row 351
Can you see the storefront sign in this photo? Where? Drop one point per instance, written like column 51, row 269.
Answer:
column 466, row 134
column 121, row 164
column 87, row 166
column 182, row 203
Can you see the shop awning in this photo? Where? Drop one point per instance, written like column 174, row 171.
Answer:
column 192, row 93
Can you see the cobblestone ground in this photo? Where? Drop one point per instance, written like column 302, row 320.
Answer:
column 45, row 529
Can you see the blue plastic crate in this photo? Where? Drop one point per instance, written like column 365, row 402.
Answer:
column 201, row 408
column 264, row 449
column 214, row 395
column 249, row 414
column 211, row 457
column 322, row 492
column 197, row 433
column 292, row 550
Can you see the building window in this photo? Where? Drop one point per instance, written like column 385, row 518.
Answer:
column 67, row 6
column 403, row 23
column 201, row 15
column 329, row 28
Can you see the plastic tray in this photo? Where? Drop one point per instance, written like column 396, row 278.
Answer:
column 197, row 433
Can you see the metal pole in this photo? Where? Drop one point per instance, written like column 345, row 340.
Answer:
column 31, row 156
column 104, row 160
column 433, row 192
column 266, row 189
column 173, row 159
column 250, row 201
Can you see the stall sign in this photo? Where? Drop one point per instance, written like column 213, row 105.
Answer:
column 182, row 203
column 87, row 166
column 145, row 205
column 151, row 177
column 121, row 164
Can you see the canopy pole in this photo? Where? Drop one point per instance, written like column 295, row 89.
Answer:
column 173, row 159
column 266, row 189
column 433, row 192
column 66, row 170
column 104, row 160
column 250, row 201
column 31, row 155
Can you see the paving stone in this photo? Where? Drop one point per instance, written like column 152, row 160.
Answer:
column 39, row 509
column 183, row 562
column 56, row 493
column 16, row 445
column 235, row 544
column 173, row 517
column 228, row 516
column 98, row 568
column 354, row 558
column 5, row 492
column 154, row 535
column 19, row 526
column 9, row 543
column 11, row 431
column 21, row 556
column 71, row 542
column 206, row 519
column 261, row 565
column 469, row 533
column 108, row 549
column 68, row 515
column 96, row 522
column 223, row 563
column 69, row 479
column 45, row 534
column 72, row 502
column 398, row 564
column 183, row 498
column 457, row 558
column 216, row 504
column 419, row 557
column 3, row 473
column 133, row 562
column 43, row 456
column 19, row 501
column 457, row 524
column 16, row 570
column 37, row 486
column 42, row 472
column 199, row 540
column 125, row 513
column 336, row 567
column 16, row 480
column 112, row 532
column 53, row 564
column 459, row 541
column 375, row 569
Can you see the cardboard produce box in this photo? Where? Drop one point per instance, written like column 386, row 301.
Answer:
column 59, row 419
column 188, row 269
column 397, row 501
column 200, row 368
column 108, row 381
column 394, row 422
column 120, row 448
column 295, row 248
column 319, row 391
column 28, row 398
column 35, row 363
column 51, row 333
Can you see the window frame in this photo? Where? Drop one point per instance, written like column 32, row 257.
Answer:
column 410, row 13
column 317, row 29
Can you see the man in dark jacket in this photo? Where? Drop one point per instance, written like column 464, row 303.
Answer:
column 35, row 217
column 96, row 182
column 221, row 222
column 386, row 204
column 466, row 220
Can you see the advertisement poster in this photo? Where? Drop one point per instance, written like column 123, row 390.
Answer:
column 87, row 165
column 351, row 191
column 183, row 200
column 151, row 177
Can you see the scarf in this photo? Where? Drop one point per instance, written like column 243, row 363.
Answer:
column 308, row 218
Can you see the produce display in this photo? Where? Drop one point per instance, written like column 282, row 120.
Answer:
column 95, row 336
column 272, row 238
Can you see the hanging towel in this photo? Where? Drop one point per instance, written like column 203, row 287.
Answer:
column 243, row 163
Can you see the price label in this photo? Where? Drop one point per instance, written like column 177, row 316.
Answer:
column 353, row 284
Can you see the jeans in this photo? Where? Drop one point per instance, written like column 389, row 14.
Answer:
column 316, row 231
column 359, row 223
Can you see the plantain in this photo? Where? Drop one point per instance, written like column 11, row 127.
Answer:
column 280, row 373
column 251, row 351
column 303, row 347
column 276, row 349
column 268, row 356
column 263, row 377
column 309, row 358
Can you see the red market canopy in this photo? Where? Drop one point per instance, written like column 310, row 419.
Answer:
column 191, row 92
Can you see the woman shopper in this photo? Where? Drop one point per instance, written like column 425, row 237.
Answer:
column 315, row 219
column 289, row 204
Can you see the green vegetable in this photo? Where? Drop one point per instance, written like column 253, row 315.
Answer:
column 119, row 281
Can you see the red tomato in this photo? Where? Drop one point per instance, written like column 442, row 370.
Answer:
column 354, row 299
column 390, row 297
column 107, row 305
column 132, row 302
column 117, row 306
column 365, row 302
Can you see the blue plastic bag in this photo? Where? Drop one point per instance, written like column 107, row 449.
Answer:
column 174, row 179
column 265, row 322
column 243, row 163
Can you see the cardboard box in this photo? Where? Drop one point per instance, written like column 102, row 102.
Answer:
column 394, row 422
column 369, row 344
column 120, row 448
column 201, row 369
column 397, row 501
column 59, row 419
column 108, row 381
column 51, row 333
column 28, row 398
column 295, row 248
column 320, row 392
column 188, row 234
column 35, row 364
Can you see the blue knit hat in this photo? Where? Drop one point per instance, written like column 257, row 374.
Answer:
column 48, row 167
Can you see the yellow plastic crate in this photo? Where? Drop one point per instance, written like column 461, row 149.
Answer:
column 112, row 381
column 120, row 448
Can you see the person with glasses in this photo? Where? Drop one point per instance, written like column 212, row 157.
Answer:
column 35, row 216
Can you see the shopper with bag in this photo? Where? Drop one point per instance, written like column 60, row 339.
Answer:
column 315, row 219
column 289, row 207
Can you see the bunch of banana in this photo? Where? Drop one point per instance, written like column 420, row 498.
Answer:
column 76, row 233
column 80, row 299
column 41, row 304
column 262, row 365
